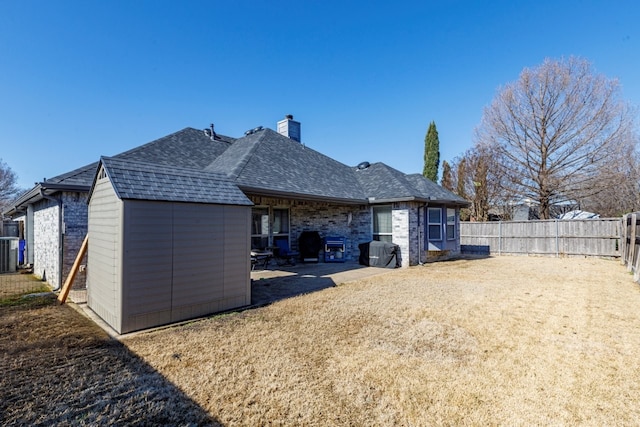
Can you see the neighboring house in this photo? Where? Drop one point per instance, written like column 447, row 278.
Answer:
column 293, row 188
column 579, row 214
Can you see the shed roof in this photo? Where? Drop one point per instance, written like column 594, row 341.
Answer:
column 147, row 181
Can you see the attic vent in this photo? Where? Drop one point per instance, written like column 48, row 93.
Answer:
column 102, row 174
column 363, row 165
column 254, row 130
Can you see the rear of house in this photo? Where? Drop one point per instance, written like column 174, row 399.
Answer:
column 293, row 189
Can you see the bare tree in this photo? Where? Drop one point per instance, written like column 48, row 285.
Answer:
column 447, row 180
column 8, row 185
column 475, row 179
column 624, row 197
column 554, row 132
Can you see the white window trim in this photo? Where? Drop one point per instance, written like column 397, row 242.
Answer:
column 453, row 224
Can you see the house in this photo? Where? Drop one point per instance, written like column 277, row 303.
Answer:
column 293, row 189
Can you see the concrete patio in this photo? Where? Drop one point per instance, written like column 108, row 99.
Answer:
column 278, row 282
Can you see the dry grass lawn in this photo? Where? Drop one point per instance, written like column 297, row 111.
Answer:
column 59, row 368
column 497, row 341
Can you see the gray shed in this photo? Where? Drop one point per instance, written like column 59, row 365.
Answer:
column 165, row 244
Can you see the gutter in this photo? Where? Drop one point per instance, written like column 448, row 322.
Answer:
column 299, row 196
column 23, row 199
column 37, row 193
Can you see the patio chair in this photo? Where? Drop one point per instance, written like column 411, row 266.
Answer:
column 259, row 257
column 284, row 255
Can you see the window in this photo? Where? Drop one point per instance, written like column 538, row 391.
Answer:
column 451, row 224
column 382, row 228
column 280, row 225
column 434, row 223
column 267, row 228
column 259, row 228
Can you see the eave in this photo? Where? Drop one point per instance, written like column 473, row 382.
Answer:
column 261, row 192
column 38, row 192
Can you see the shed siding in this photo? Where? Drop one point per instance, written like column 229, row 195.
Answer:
column 147, row 264
column 237, row 243
column 104, row 294
column 197, row 259
column 183, row 260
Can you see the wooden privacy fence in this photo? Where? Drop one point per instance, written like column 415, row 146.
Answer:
column 582, row 237
column 631, row 243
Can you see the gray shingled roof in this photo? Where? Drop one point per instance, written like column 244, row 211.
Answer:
column 266, row 163
column 80, row 177
column 146, row 181
column 269, row 163
column 382, row 183
column 189, row 148
column 428, row 189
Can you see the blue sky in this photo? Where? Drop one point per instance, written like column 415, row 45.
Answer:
column 81, row 79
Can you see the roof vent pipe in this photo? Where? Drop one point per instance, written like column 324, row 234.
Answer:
column 211, row 133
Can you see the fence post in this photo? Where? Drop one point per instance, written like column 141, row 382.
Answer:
column 557, row 239
column 622, row 246
column 632, row 243
column 500, row 238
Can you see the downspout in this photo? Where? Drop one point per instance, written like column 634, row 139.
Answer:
column 60, row 240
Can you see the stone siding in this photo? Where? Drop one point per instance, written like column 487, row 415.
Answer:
column 46, row 242
column 47, row 233
column 400, row 230
column 355, row 224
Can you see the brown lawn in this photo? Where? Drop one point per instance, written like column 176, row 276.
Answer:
column 497, row 341
column 59, row 368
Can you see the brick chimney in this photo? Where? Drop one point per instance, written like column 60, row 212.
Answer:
column 289, row 128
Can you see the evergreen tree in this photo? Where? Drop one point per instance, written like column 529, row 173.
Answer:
column 431, row 153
